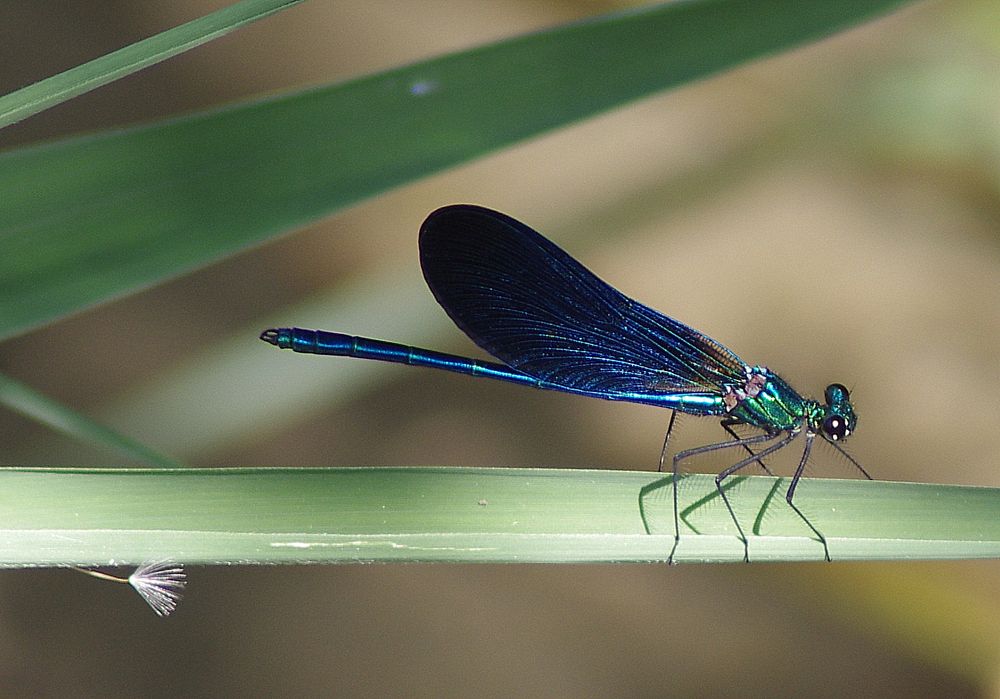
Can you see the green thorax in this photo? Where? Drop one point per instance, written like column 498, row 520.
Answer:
column 777, row 406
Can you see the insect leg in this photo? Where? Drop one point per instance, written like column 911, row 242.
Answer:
column 783, row 442
column 727, row 425
column 681, row 456
column 851, row 459
column 791, row 492
column 666, row 440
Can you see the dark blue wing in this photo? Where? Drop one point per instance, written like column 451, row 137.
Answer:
column 528, row 303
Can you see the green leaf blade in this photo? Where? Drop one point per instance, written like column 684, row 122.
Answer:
column 346, row 515
column 92, row 218
column 72, row 83
column 28, row 402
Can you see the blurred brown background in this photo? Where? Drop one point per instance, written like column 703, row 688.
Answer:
column 831, row 213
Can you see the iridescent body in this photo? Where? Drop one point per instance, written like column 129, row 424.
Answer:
column 554, row 325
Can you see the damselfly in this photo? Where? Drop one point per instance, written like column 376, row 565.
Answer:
column 554, row 325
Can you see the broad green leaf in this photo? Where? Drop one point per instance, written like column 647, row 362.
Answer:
column 91, row 218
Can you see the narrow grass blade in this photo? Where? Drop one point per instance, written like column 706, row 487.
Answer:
column 91, row 218
column 30, row 403
column 38, row 97
column 294, row 515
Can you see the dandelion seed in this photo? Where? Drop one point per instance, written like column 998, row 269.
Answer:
column 159, row 583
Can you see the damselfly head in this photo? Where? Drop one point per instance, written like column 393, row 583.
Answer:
column 839, row 419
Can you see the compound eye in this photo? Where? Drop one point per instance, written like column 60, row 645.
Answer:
column 834, row 427
column 836, row 393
